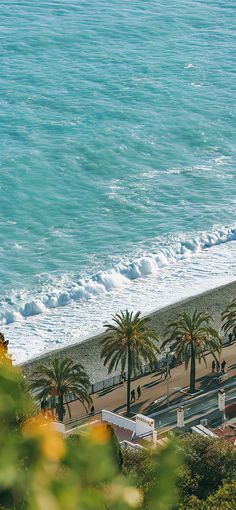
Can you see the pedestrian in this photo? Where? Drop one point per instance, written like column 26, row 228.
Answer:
column 121, row 378
column 230, row 337
column 223, row 366
column 213, row 366
column 217, row 366
column 167, row 371
column 139, row 391
column 163, row 371
column 92, row 410
column 124, row 376
column 132, row 396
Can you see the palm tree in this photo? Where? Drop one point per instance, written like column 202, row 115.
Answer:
column 229, row 317
column 58, row 380
column 190, row 336
column 129, row 342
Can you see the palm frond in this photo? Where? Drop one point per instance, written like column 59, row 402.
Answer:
column 61, row 377
column 128, row 331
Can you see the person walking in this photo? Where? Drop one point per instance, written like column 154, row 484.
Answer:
column 92, row 410
column 223, row 366
column 217, row 366
column 213, row 366
column 163, row 371
column 167, row 371
column 132, row 394
column 139, row 391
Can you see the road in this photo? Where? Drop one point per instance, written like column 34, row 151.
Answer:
column 203, row 406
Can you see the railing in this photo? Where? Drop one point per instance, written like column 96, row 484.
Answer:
column 82, row 420
column 116, row 380
column 146, row 369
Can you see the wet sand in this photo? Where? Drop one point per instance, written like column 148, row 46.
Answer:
column 88, row 352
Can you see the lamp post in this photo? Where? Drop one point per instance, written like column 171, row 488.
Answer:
column 167, row 376
column 180, row 417
column 221, row 403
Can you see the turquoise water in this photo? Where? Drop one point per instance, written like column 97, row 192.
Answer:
column 117, row 137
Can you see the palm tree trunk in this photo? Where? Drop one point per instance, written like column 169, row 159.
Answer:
column 128, row 381
column 68, row 409
column 60, row 410
column 192, row 369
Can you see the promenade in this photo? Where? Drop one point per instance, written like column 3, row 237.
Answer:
column 153, row 388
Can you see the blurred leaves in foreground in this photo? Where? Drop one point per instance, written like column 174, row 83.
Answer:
column 42, row 470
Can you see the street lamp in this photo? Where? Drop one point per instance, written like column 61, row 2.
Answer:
column 180, row 417
column 167, row 351
column 221, row 403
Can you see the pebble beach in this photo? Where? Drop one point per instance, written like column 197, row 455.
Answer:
column 88, row 352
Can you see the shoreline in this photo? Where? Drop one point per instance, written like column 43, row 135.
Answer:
column 88, row 351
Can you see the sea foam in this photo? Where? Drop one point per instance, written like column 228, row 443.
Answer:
column 76, row 288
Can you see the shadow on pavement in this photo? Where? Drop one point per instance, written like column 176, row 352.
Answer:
column 151, row 384
column 104, row 392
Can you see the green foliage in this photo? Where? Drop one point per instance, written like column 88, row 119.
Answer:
column 129, row 342
column 14, row 453
column 154, row 474
column 229, row 317
column 206, row 475
column 208, row 463
column 140, row 465
column 190, row 336
column 117, row 453
column 129, row 329
column 40, row 470
column 161, row 497
column 5, row 357
column 56, row 381
column 223, row 499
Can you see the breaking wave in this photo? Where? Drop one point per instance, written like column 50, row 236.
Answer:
column 64, row 291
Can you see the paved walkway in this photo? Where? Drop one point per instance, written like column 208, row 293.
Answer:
column 154, row 388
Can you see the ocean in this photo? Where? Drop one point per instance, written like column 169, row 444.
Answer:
column 117, row 154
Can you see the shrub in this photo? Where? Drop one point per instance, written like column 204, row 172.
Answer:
column 41, row 470
column 208, row 463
